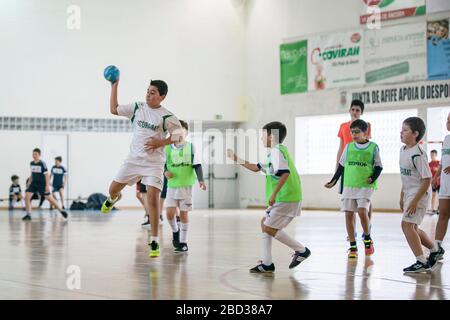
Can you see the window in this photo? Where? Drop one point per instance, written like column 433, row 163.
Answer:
column 317, row 143
column 437, row 128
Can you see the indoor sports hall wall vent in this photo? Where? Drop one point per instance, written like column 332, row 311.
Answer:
column 64, row 124
column 94, row 125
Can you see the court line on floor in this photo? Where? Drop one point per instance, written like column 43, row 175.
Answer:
column 58, row 289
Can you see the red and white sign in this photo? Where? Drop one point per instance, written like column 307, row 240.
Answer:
column 392, row 9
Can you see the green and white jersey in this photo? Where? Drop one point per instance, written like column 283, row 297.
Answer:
column 413, row 168
column 278, row 162
column 181, row 187
column 362, row 192
column 149, row 123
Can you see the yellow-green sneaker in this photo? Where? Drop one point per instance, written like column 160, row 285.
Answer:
column 154, row 250
column 108, row 205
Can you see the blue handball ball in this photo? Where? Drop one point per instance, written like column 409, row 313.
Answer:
column 111, row 73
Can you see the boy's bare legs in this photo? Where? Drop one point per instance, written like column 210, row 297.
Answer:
column 365, row 220
column 350, row 225
column 300, row 251
column 115, row 188
column 153, row 195
column 444, row 215
column 61, row 197
column 28, row 196
column 414, row 240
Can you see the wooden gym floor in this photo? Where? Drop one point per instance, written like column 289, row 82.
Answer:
column 112, row 255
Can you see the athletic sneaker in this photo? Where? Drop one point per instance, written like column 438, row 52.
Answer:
column 298, row 257
column 26, row 218
column 107, row 205
column 63, row 213
column 436, row 256
column 176, row 239
column 368, row 246
column 154, row 249
column 182, row 247
column 146, row 224
column 261, row 268
column 417, row 267
column 352, row 252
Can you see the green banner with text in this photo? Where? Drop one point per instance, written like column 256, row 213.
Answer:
column 293, row 65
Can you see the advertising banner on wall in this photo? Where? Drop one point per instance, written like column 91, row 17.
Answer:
column 422, row 93
column 393, row 9
column 438, row 49
column 396, row 54
column 293, row 67
column 335, row 60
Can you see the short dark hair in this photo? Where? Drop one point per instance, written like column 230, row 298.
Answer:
column 416, row 124
column 277, row 129
column 358, row 103
column 14, row 177
column 161, row 85
column 184, row 125
column 37, row 150
column 360, row 124
column 58, row 158
column 433, row 151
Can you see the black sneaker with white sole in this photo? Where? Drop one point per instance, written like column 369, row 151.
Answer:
column 182, row 247
column 262, row 268
column 63, row 213
column 26, row 218
column 176, row 239
column 417, row 267
column 298, row 257
column 436, row 256
column 146, row 224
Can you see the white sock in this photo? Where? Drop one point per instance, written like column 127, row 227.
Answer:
column 152, row 238
column 438, row 242
column 173, row 224
column 183, row 232
column 435, row 247
column 284, row 238
column 266, row 249
column 422, row 259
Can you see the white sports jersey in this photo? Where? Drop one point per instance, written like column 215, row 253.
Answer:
column 278, row 163
column 445, row 162
column 413, row 168
column 149, row 123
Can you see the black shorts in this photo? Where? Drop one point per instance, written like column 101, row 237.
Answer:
column 38, row 189
column 141, row 188
column 18, row 197
column 436, row 189
column 164, row 189
column 57, row 188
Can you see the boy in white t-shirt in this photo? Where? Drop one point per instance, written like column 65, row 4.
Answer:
column 416, row 190
column 151, row 124
column 443, row 175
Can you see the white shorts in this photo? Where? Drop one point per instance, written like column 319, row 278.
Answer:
column 281, row 214
column 354, row 204
column 182, row 204
column 421, row 210
column 130, row 174
column 444, row 190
